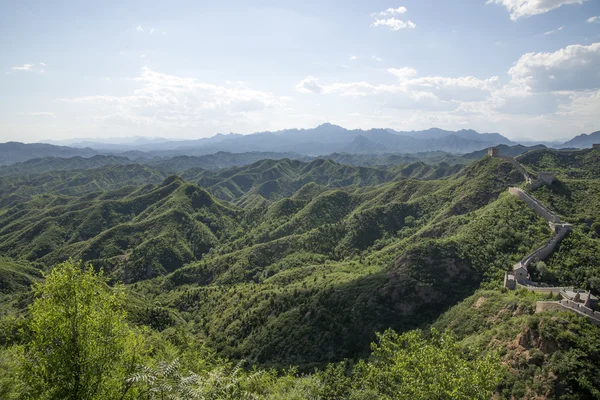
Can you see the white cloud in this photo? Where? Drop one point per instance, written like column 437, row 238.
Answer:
column 554, row 31
column 169, row 102
column 24, row 67
column 139, row 28
column 353, row 58
column 43, row 64
column 463, row 89
column 151, row 31
column 509, row 100
column 403, row 73
column 42, row 114
column 544, row 94
column 582, row 105
column 381, row 19
column 394, row 24
column 378, row 59
column 429, row 92
column 573, row 68
column 552, row 84
column 391, row 12
column 309, row 84
column 526, row 8
column 593, row 19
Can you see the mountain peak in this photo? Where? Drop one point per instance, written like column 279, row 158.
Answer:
column 584, row 140
column 328, row 125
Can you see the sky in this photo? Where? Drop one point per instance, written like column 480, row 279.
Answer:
column 528, row 69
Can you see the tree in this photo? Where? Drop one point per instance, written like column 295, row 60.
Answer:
column 80, row 346
column 408, row 366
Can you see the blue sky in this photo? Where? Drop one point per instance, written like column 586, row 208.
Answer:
column 189, row 69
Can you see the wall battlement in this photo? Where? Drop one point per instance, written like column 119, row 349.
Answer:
column 538, row 207
column 519, row 276
column 515, row 164
column 560, row 230
column 543, row 178
column 571, row 306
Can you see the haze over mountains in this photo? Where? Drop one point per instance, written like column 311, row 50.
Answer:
column 282, row 253
column 323, row 140
column 583, row 140
column 13, row 152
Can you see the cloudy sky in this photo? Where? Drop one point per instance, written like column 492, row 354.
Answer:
column 189, row 69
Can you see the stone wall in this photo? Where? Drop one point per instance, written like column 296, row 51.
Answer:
column 544, row 252
column 542, row 289
column 567, row 305
column 509, row 280
column 518, row 166
column 543, row 178
column 538, row 207
column 517, row 279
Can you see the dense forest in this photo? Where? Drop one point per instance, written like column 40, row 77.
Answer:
column 293, row 279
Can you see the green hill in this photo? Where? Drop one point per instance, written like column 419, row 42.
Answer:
column 16, row 276
column 275, row 179
column 549, row 354
column 49, row 164
column 284, row 262
column 135, row 234
column 59, row 185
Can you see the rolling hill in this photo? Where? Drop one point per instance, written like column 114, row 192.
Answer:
column 287, row 262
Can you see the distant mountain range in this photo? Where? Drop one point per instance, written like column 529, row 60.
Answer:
column 223, row 160
column 583, row 141
column 14, row 152
column 323, row 140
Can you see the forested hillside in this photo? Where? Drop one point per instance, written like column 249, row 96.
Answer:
column 576, row 196
column 286, row 263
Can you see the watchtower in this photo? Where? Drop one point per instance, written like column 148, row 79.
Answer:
column 520, row 273
column 493, row 151
column 509, row 280
column 596, row 146
column 546, row 177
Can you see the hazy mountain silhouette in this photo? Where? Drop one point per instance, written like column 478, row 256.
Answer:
column 324, row 139
column 583, row 141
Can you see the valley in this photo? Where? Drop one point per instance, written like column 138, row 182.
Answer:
column 287, row 262
column 300, row 200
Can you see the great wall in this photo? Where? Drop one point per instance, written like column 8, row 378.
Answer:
column 574, row 300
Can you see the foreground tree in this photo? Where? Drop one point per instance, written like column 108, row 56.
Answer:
column 408, row 366
column 80, row 346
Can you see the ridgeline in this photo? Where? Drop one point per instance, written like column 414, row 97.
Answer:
column 292, row 263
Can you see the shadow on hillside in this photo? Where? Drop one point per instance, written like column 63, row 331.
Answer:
column 340, row 321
